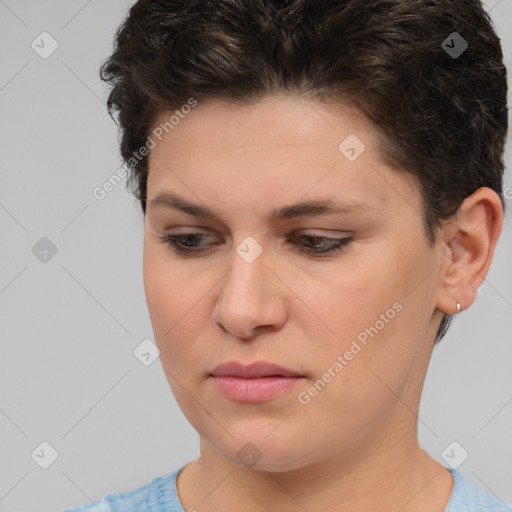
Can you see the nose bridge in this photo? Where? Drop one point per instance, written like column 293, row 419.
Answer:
column 244, row 288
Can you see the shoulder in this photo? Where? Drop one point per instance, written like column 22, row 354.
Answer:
column 467, row 497
column 158, row 495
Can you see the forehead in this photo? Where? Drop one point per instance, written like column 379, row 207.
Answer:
column 276, row 122
column 279, row 150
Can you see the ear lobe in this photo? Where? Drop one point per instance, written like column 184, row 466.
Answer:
column 469, row 244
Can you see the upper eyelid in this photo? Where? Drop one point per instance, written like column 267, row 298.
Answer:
column 340, row 243
column 309, row 231
column 293, row 236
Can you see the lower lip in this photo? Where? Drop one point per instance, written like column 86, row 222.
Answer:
column 255, row 390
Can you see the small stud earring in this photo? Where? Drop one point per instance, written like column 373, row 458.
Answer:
column 458, row 307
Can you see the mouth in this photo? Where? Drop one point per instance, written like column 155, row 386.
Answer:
column 255, row 370
column 256, row 382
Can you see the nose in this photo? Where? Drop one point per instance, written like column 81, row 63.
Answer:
column 251, row 298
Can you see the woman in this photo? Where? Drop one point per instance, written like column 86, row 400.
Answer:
column 321, row 183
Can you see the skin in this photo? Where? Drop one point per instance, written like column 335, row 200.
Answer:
column 354, row 445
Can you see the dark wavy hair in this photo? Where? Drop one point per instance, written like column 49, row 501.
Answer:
column 443, row 116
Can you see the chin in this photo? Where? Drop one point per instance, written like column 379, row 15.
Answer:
column 261, row 453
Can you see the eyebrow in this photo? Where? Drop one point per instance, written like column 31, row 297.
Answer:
column 301, row 209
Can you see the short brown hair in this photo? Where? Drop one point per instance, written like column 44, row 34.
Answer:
column 443, row 114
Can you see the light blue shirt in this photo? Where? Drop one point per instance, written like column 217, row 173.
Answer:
column 161, row 495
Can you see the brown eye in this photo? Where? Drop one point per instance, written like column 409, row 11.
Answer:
column 321, row 245
column 184, row 243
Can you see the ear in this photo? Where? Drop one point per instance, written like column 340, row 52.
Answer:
column 469, row 244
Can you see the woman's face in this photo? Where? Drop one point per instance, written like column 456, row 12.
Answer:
column 358, row 324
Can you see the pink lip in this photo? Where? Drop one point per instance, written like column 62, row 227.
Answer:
column 256, row 382
column 253, row 370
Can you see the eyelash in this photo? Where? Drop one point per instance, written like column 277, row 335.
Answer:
column 336, row 244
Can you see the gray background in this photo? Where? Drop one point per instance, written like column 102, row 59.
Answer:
column 69, row 325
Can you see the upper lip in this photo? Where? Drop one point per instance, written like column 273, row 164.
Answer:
column 252, row 370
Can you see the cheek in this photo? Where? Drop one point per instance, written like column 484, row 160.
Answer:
column 349, row 300
column 169, row 296
column 180, row 307
column 177, row 315
column 369, row 329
